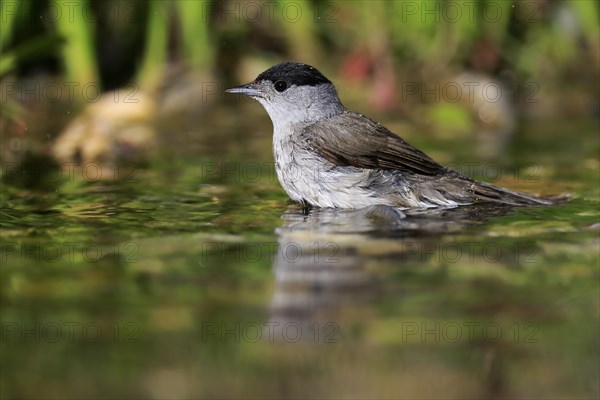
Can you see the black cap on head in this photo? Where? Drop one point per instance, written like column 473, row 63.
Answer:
column 294, row 73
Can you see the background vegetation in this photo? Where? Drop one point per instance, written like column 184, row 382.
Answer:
column 115, row 42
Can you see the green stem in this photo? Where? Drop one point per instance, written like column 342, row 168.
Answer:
column 194, row 26
column 155, row 55
column 78, row 52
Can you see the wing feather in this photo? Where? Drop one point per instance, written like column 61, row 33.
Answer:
column 350, row 139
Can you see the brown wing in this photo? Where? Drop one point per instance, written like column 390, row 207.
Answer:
column 351, row 139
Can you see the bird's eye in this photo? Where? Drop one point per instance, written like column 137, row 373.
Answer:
column 280, row 86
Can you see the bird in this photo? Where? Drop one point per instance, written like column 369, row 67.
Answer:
column 328, row 156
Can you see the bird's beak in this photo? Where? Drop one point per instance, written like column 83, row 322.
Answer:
column 249, row 89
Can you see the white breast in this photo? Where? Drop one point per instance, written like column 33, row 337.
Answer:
column 306, row 176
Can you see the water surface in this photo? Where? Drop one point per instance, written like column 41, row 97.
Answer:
column 193, row 276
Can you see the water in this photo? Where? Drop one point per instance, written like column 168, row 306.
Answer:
column 194, row 277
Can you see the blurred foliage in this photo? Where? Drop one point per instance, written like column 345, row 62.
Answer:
column 431, row 35
column 536, row 49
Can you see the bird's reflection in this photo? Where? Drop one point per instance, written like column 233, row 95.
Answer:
column 331, row 262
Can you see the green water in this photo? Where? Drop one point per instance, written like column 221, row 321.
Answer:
column 193, row 277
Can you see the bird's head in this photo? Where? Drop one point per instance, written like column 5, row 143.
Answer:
column 293, row 93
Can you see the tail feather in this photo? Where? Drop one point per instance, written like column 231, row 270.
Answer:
column 485, row 192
